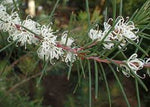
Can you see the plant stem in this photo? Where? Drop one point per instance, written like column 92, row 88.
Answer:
column 82, row 55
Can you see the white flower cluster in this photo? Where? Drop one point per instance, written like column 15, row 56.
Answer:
column 30, row 32
column 133, row 64
column 121, row 32
column 7, row 22
column 48, row 49
column 5, row 2
column 25, row 32
column 23, row 36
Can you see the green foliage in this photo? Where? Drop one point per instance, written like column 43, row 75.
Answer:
column 11, row 100
column 26, row 65
column 131, row 5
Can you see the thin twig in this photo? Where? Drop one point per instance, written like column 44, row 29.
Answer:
column 23, row 81
column 76, row 51
column 18, row 60
column 115, row 61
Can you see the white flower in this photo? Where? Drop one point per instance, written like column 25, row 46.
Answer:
column 48, row 49
column 21, row 35
column 3, row 18
column 10, row 4
column 125, row 70
column 6, row 2
column 134, row 64
column 109, row 37
column 69, row 56
column 48, row 33
column 13, row 20
column 8, row 22
column 23, row 38
column 147, row 60
column 100, row 35
column 31, row 25
column 95, row 34
column 126, row 29
column 66, row 40
column 108, row 45
column 107, row 26
column 2, row 8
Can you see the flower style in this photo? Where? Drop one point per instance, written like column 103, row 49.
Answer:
column 48, row 49
column 147, row 61
column 134, row 64
column 125, row 70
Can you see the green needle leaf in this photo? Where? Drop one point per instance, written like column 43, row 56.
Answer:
column 43, row 71
column 107, row 87
column 120, row 85
column 7, row 46
column 83, row 72
column 54, row 8
column 90, row 85
column 96, row 80
column 137, row 93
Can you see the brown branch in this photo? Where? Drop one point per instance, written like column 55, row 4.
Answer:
column 67, row 48
column 114, row 61
column 23, row 81
column 82, row 55
column 18, row 60
column 105, row 60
